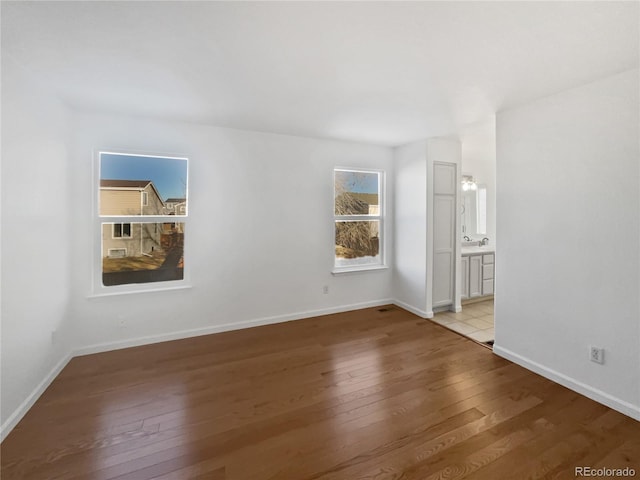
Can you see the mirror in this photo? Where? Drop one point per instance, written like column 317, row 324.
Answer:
column 474, row 211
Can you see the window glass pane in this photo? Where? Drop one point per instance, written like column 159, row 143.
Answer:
column 357, row 193
column 139, row 185
column 121, row 230
column 151, row 252
column 357, row 243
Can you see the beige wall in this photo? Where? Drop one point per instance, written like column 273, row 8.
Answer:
column 154, row 204
column 129, row 202
column 120, row 202
column 145, row 238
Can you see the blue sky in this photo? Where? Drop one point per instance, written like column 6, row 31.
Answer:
column 169, row 175
column 357, row 182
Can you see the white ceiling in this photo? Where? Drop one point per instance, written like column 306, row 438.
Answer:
column 384, row 72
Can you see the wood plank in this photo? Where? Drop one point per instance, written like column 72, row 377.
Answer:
column 360, row 394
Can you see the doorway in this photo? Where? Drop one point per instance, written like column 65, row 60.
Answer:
column 475, row 321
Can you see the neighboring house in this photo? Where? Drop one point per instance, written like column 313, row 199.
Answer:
column 176, row 206
column 130, row 197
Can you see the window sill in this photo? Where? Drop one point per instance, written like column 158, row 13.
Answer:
column 358, row 269
column 101, row 294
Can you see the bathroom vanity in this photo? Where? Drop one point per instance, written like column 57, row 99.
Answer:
column 477, row 271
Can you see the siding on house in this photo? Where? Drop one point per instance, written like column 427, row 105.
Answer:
column 145, row 238
column 127, row 197
column 129, row 200
column 120, row 202
column 155, row 206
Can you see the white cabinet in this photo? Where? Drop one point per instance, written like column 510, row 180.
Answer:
column 477, row 272
column 464, row 274
column 475, row 276
column 487, row 274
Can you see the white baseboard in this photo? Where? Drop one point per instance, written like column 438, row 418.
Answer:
column 412, row 309
column 24, row 407
column 225, row 327
column 599, row 396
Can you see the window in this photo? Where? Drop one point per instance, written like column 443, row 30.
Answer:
column 358, row 219
column 117, row 252
column 141, row 242
column 121, row 230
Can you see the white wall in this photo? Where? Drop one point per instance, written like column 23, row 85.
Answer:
column 413, row 222
column 36, row 234
column 446, row 150
column 568, row 176
column 410, row 233
column 260, row 233
column 479, row 159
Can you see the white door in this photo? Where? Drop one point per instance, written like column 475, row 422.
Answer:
column 444, row 217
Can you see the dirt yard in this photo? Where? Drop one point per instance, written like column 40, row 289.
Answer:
column 132, row 263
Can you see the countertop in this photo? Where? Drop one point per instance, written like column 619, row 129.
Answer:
column 476, row 250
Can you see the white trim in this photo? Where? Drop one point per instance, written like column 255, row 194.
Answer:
column 380, row 217
column 358, row 268
column 142, row 218
column 24, row 407
column 412, row 309
column 97, row 288
column 128, row 153
column 166, row 287
column 595, row 394
column 121, row 237
column 225, row 327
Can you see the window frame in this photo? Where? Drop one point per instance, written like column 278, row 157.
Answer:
column 380, row 218
column 109, row 250
column 122, row 236
column 98, row 289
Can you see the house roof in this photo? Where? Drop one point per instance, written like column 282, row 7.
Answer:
column 176, row 200
column 125, row 183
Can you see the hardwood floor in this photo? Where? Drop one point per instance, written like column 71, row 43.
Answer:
column 370, row 394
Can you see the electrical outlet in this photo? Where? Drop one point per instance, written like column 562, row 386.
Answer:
column 325, row 289
column 596, row 354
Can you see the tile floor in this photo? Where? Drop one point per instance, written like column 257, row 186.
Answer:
column 474, row 321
